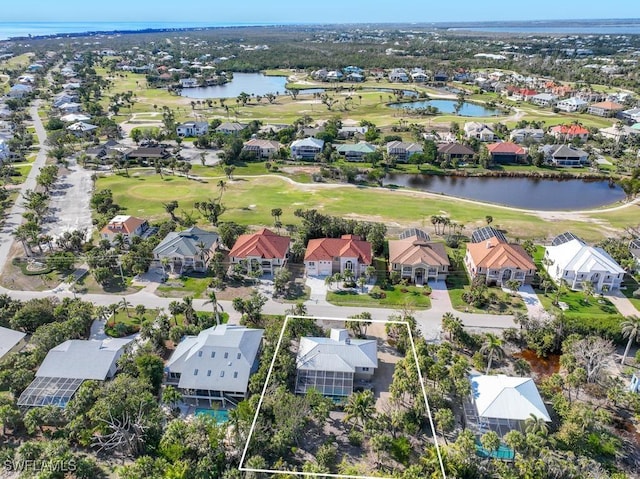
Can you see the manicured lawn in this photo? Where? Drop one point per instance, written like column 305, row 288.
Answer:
column 596, row 306
column 249, row 201
column 87, row 284
column 188, row 285
column 396, row 296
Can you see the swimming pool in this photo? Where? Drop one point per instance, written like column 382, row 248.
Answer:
column 220, row 415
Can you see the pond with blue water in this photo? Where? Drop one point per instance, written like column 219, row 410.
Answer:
column 449, row 106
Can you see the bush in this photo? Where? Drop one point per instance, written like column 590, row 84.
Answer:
column 603, row 326
column 377, row 293
column 23, row 263
column 356, row 438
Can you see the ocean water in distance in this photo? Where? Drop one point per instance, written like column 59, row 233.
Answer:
column 594, row 29
column 24, row 29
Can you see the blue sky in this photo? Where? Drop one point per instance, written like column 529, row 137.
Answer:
column 310, row 11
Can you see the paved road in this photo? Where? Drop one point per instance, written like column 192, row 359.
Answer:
column 14, row 217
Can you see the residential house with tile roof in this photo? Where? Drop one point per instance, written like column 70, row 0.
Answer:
column 506, row 152
column 125, row 225
column 214, row 367
column 263, row 250
column 569, row 132
column 334, row 365
column 499, row 261
column 326, row 256
column 417, row 259
column 605, row 108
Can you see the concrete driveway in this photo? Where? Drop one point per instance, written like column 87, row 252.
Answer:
column 622, row 303
column 531, row 301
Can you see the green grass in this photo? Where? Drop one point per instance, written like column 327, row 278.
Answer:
column 458, row 282
column 249, row 201
column 188, row 285
column 631, row 286
column 578, row 308
column 395, row 297
column 23, row 169
column 19, row 61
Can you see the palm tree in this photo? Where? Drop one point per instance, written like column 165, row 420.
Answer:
column 171, row 396
column 213, row 300
column 170, row 208
column 21, row 234
column 360, row 407
column 189, row 312
column 328, row 281
column 536, row 425
column 630, row 330
column 124, row 304
column 175, row 308
column 222, row 185
column 491, row 348
column 298, row 309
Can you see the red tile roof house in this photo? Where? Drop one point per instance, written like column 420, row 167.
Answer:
column 570, row 132
column 507, row 153
column 127, row 226
column 326, row 256
column 262, row 250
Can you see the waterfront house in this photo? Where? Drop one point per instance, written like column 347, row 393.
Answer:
column 491, row 256
column 355, row 151
column 214, row 367
column 188, row 82
column 398, row 75
column 263, row 250
column 565, row 155
column 403, row 150
column 455, row 151
column 506, row 152
column 68, row 365
column 334, row 365
column 192, row 248
column 418, row 259
column 571, row 260
column 306, row 149
column 326, row 256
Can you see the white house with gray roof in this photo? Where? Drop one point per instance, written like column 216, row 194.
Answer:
column 10, row 341
column 192, row 128
column 68, row 365
column 571, row 260
column 332, row 365
column 214, row 367
column 188, row 249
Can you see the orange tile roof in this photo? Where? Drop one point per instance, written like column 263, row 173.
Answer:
column 506, row 147
column 608, row 105
column 494, row 254
column 124, row 225
column 263, row 244
column 414, row 251
column 570, row 130
column 349, row 246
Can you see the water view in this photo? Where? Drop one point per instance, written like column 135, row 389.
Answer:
column 449, row 106
column 529, row 193
column 251, row 83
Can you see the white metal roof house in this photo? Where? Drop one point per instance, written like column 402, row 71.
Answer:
column 502, row 403
column 331, row 365
column 10, row 341
column 572, row 260
column 215, row 366
column 68, row 365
